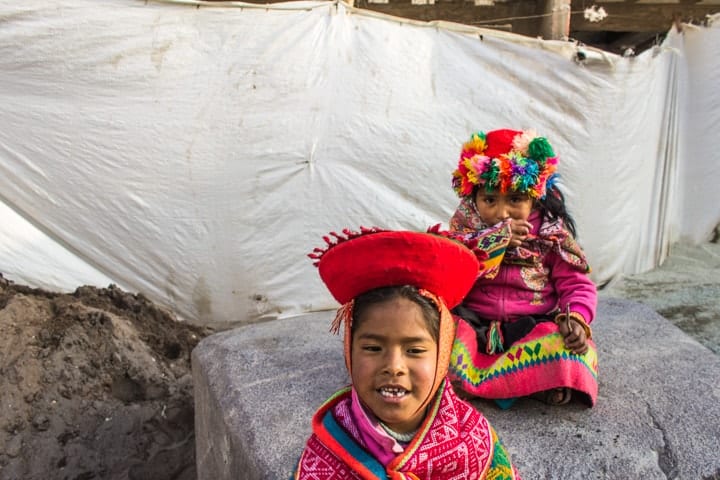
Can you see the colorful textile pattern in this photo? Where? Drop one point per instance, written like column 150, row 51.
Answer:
column 455, row 441
column 537, row 362
column 505, row 160
column 466, row 218
column 494, row 240
column 551, row 236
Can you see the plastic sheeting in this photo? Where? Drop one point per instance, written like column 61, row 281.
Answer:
column 197, row 155
column 699, row 161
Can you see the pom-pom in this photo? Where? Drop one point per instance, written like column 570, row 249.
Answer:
column 539, row 149
column 525, row 174
column 552, row 182
column 521, row 142
column 491, row 176
column 499, row 142
column 461, row 180
column 317, row 253
column 476, row 145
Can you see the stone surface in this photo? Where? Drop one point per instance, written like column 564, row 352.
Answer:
column 685, row 289
column 256, row 389
column 657, row 415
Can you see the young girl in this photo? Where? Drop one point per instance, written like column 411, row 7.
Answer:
column 399, row 419
column 524, row 327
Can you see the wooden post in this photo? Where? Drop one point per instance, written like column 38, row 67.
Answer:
column 556, row 23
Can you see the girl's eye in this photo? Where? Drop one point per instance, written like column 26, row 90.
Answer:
column 417, row 351
column 371, row 348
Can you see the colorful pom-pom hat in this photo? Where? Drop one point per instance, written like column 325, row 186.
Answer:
column 502, row 161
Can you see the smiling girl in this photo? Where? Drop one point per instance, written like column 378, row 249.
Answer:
column 400, row 418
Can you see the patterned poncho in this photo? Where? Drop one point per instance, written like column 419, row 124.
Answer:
column 454, row 441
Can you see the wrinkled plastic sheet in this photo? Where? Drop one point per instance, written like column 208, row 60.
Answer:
column 196, row 154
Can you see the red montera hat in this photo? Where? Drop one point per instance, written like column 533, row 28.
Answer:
column 442, row 265
column 372, row 258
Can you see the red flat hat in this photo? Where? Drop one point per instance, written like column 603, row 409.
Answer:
column 375, row 259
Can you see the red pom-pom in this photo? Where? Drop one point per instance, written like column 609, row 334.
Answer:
column 499, row 142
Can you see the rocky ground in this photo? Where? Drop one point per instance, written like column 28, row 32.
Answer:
column 94, row 384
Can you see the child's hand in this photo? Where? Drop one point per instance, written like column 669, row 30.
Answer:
column 574, row 335
column 519, row 230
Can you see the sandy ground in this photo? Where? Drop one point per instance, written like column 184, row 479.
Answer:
column 97, row 384
column 94, row 385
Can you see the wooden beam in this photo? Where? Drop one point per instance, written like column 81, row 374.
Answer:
column 556, row 23
column 641, row 17
column 526, row 16
column 522, row 16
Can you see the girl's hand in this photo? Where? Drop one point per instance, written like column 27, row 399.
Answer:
column 519, row 230
column 574, row 335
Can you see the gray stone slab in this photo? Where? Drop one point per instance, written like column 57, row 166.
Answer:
column 657, row 415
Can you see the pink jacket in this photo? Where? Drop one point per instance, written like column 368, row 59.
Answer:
column 542, row 275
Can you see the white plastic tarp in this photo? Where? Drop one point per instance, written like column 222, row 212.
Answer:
column 699, row 159
column 197, row 155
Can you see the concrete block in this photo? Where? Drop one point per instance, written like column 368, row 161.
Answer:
column 657, row 415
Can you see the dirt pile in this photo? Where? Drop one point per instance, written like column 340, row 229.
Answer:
column 95, row 384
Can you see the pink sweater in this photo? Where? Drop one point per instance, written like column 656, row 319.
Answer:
column 550, row 284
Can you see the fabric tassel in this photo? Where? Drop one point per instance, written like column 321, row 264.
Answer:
column 495, row 338
column 344, row 313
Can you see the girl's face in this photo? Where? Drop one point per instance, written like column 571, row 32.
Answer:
column 496, row 207
column 393, row 359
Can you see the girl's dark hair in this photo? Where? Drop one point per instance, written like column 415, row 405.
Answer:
column 553, row 207
column 430, row 312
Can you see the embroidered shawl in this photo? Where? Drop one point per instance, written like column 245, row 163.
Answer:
column 454, row 441
column 552, row 236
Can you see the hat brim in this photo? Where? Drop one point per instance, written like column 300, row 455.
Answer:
column 440, row 265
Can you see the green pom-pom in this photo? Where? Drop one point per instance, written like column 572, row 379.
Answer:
column 477, row 136
column 540, row 149
column 491, row 177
